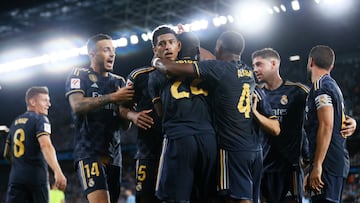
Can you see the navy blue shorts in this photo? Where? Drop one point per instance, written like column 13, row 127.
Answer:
column 285, row 184
column 187, row 168
column 146, row 173
column 92, row 175
column 27, row 193
column 332, row 191
column 240, row 174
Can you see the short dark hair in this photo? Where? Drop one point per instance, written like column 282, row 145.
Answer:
column 266, row 53
column 190, row 46
column 34, row 91
column 323, row 56
column 232, row 42
column 161, row 30
column 91, row 43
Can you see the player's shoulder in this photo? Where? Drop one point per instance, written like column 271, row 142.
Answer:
column 140, row 71
column 298, row 85
column 324, row 82
column 115, row 76
column 79, row 71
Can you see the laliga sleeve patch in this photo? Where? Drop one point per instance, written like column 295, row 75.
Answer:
column 75, row 83
column 323, row 100
column 47, row 128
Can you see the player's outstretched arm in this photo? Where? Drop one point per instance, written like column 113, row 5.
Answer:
column 172, row 68
column 49, row 153
column 81, row 104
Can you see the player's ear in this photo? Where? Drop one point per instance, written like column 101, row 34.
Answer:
column 179, row 44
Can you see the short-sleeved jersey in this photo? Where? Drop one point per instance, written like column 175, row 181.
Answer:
column 288, row 104
column 28, row 163
column 232, row 84
column 96, row 129
column 184, row 102
column 325, row 91
column 148, row 141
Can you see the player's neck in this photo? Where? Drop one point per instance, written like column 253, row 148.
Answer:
column 99, row 70
column 318, row 73
column 274, row 84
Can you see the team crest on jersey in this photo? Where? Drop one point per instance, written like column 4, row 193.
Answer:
column 138, row 187
column 93, row 78
column 91, row 182
column 284, row 100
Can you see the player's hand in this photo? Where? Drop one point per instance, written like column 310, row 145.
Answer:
column 123, row 94
column 255, row 101
column 350, row 127
column 60, row 181
column 141, row 119
column 181, row 28
column 316, row 183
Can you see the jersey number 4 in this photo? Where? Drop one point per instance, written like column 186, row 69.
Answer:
column 244, row 101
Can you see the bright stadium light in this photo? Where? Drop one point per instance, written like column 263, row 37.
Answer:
column 144, row 37
column 270, row 11
column 295, row 5
column 283, row 8
column 134, row 39
column 216, row 21
column 276, row 9
column 294, row 58
column 230, row 18
column 334, row 8
column 317, row 1
column 122, row 42
column 199, row 25
column 252, row 16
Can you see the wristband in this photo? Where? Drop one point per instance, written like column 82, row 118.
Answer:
column 154, row 61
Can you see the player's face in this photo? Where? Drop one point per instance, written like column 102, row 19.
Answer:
column 167, row 47
column 263, row 68
column 104, row 55
column 41, row 104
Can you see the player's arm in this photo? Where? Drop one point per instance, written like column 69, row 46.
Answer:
column 49, row 153
column 7, row 149
column 325, row 115
column 269, row 125
column 81, row 104
column 350, row 127
column 172, row 68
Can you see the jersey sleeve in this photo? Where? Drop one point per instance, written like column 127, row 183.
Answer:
column 43, row 126
column 75, row 82
column 155, row 84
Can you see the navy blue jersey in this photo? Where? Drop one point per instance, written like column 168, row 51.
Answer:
column 265, row 109
column 232, row 84
column 97, row 130
column 28, row 163
column 185, row 105
column 148, row 141
column 288, row 104
column 325, row 91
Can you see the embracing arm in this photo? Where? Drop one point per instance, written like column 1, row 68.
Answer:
column 172, row 68
column 270, row 125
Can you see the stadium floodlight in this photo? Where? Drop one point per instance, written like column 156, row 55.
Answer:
column 294, row 58
column 216, row 21
column 317, row 1
column 295, row 5
column 230, row 18
column 283, row 8
column 122, row 42
column 199, row 25
column 270, row 11
column 134, row 39
column 144, row 37
column 276, row 9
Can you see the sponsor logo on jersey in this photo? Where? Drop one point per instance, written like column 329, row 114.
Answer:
column 75, row 83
